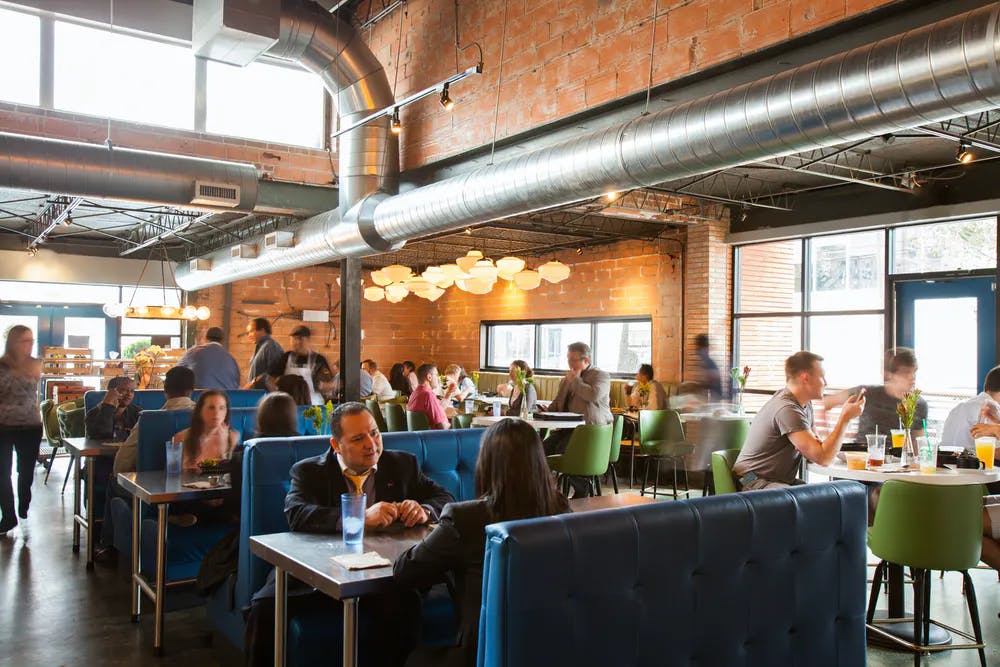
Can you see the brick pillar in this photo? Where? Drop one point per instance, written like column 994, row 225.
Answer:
column 708, row 293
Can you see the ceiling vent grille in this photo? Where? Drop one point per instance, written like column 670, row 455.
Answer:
column 279, row 240
column 243, row 251
column 216, row 194
column 200, row 264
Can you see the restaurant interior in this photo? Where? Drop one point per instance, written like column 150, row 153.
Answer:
column 703, row 186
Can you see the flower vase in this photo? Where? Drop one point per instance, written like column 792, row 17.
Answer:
column 738, row 407
column 523, row 412
column 907, row 453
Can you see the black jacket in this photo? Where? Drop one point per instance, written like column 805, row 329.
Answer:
column 100, row 421
column 313, row 502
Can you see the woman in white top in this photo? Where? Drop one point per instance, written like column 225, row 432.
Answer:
column 647, row 393
column 458, row 386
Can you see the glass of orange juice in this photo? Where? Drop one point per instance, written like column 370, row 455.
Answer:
column 856, row 460
column 986, row 450
column 898, row 435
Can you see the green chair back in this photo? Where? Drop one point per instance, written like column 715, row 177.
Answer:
column 71, row 417
column 50, row 422
column 376, row 410
column 735, row 433
column 395, row 417
column 722, row 470
column 928, row 527
column 417, row 421
column 616, row 439
column 587, row 452
column 661, row 433
column 461, row 421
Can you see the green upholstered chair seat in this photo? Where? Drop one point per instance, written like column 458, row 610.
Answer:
column 666, row 448
column 586, row 452
column 417, row 421
column 722, row 470
column 461, row 421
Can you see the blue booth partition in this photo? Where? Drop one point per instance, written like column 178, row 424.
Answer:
column 153, row 399
column 448, row 457
column 751, row 579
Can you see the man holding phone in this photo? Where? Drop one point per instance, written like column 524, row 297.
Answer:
column 782, row 432
column 115, row 416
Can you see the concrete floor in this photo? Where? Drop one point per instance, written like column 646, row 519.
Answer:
column 53, row 612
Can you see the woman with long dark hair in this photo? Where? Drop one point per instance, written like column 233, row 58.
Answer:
column 277, row 415
column 398, row 381
column 296, row 387
column 20, row 422
column 516, row 396
column 513, row 481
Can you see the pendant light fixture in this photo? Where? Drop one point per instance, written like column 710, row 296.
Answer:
column 554, row 271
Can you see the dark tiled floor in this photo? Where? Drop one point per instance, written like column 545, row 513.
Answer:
column 54, row 612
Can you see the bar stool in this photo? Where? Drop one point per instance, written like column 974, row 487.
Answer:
column 586, row 454
column 661, row 438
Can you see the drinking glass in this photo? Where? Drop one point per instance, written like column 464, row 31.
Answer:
column 876, row 450
column 986, row 450
column 352, row 517
column 174, row 450
column 898, row 436
column 927, row 455
column 470, row 406
column 855, row 460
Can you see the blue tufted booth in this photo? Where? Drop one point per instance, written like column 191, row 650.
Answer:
column 448, row 457
column 153, row 399
column 764, row 578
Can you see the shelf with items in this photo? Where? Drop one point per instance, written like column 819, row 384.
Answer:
column 67, row 362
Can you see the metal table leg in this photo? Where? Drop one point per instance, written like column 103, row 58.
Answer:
column 897, row 609
column 136, row 590
column 90, row 514
column 161, row 566
column 350, row 632
column 76, row 503
column 280, row 615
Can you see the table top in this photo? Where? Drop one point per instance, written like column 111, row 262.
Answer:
column 90, row 446
column 536, row 423
column 612, row 501
column 633, row 415
column 155, row 487
column 943, row 477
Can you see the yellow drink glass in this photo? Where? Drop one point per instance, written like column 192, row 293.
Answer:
column 898, row 435
column 985, row 450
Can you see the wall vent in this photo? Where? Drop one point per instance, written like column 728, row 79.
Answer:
column 200, row 265
column 243, row 251
column 216, row 194
column 279, row 240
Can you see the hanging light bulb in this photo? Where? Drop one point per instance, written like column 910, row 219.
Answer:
column 527, row 279
column 484, row 270
column 470, row 258
column 167, row 311
column 141, row 310
column 189, row 313
column 379, row 278
column 203, row 313
column 114, row 309
column 396, row 291
column 395, row 126
column 554, row 271
column 375, row 293
column 396, row 273
column 508, row 266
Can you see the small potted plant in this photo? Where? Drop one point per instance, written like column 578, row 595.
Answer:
column 320, row 416
column 740, row 382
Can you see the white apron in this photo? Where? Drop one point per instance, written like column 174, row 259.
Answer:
column 305, row 372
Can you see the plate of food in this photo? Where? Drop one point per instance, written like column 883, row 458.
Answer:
column 213, row 466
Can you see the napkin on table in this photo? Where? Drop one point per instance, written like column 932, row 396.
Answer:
column 364, row 561
column 198, row 485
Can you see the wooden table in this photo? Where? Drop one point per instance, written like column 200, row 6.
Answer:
column 538, row 424
column 156, row 488
column 86, row 448
column 307, row 557
column 894, row 577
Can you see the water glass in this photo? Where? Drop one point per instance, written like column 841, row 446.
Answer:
column 876, row 450
column 496, row 408
column 352, row 517
column 174, row 452
column 927, row 455
column 470, row 406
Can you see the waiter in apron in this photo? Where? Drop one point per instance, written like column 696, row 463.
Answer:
column 302, row 361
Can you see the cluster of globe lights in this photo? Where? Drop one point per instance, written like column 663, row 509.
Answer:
column 190, row 313
column 471, row 273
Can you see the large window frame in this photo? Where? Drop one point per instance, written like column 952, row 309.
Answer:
column 46, row 96
column 486, row 341
column 805, row 313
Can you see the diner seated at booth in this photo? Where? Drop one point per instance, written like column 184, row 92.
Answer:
column 457, row 385
column 530, row 394
column 646, row 393
column 296, row 387
column 424, row 398
column 381, row 388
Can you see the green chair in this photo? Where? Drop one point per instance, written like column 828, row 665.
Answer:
column 722, row 470
column 661, row 438
column 587, row 454
column 395, row 417
column 461, row 421
column 71, row 416
column 50, row 429
column 928, row 527
column 417, row 421
column 616, row 449
column 376, row 410
column 727, row 434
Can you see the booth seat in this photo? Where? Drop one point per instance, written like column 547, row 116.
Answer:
column 547, row 385
column 751, row 579
column 153, row 399
column 448, row 457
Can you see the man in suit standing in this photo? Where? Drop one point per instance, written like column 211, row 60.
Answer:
column 585, row 390
column 397, row 492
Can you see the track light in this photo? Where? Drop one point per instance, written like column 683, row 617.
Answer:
column 396, row 127
column 611, row 196
column 964, row 155
column 32, row 250
column 468, row 231
column 68, row 220
column 446, row 100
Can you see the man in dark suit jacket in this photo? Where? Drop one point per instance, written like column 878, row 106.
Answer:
column 397, row 492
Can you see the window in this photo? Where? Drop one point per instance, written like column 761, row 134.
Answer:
column 20, row 53
column 266, row 102
column 618, row 345
column 769, row 277
column 120, row 76
column 949, row 246
column 847, row 272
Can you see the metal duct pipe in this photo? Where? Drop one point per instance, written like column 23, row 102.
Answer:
column 92, row 170
column 941, row 71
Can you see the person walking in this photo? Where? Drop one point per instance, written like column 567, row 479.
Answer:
column 213, row 366
column 20, row 422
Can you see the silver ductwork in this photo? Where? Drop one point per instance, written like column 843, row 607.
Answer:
column 941, row 71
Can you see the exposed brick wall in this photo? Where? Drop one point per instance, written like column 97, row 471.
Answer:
column 293, row 163
column 563, row 56
column 708, row 285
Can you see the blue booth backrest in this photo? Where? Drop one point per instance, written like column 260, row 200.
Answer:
column 447, row 457
column 764, row 578
column 158, row 426
column 153, row 399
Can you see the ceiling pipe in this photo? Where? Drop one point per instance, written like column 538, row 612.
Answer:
column 941, row 71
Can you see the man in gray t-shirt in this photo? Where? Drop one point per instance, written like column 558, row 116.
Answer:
column 782, row 432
